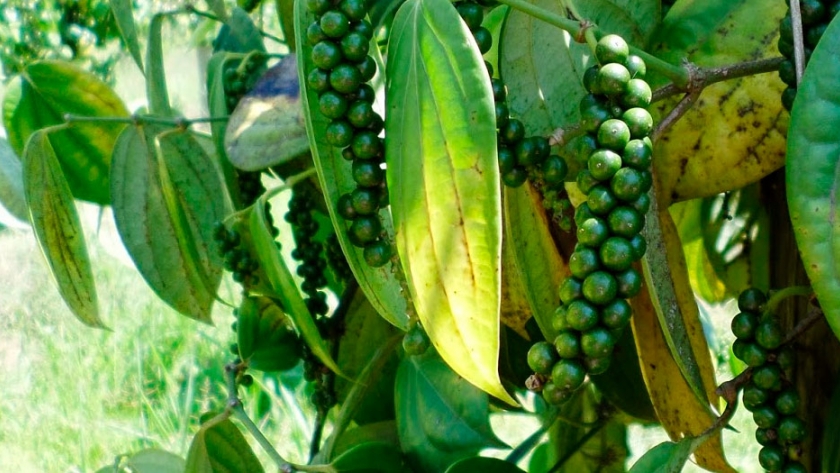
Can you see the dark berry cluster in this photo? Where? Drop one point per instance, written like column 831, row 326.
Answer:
column 518, row 154
column 240, row 77
column 816, row 15
column 323, row 395
column 336, row 259
column 594, row 311
column 340, row 38
column 769, row 394
column 308, row 252
column 236, row 256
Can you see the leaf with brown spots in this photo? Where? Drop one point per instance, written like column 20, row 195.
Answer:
column 735, row 133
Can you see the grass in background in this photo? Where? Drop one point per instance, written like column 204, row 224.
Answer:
column 72, row 398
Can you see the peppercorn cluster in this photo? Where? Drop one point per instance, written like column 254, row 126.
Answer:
column 517, row 153
column 594, row 310
column 340, row 39
column 308, row 252
column 769, row 394
column 816, row 15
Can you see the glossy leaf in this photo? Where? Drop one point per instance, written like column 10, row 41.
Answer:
column 41, row 96
column 165, row 213
column 267, row 128
column 367, row 331
column 813, row 160
column 286, row 12
column 153, row 460
column 443, row 181
column 440, row 416
column 371, row 457
column 239, row 34
column 484, row 465
column 220, row 446
column 157, row 92
column 667, row 457
column 735, row 133
column 124, row 17
column 537, row 260
column 335, row 176
column 283, row 284
column 677, row 406
column 11, row 182
column 548, row 91
column 53, row 216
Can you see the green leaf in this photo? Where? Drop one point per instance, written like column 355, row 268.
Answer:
column 547, row 92
column 286, row 14
column 153, row 460
column 165, row 213
column 218, row 7
column 53, row 216
column 268, row 128
column 537, row 261
column 239, row 34
column 368, row 331
column 813, row 172
column 335, row 176
column 156, row 90
column 623, row 385
column 667, row 457
column 283, row 284
column 220, row 447
column 372, row 457
column 41, row 96
column 11, row 183
column 443, row 181
column 440, row 416
column 124, row 18
column 217, row 106
column 484, row 465
column 494, row 21
column 264, row 336
column 385, row 431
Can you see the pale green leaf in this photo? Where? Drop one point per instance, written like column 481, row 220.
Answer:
column 165, row 213
column 220, row 447
column 443, row 180
column 124, row 18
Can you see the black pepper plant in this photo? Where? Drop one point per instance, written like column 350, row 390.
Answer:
column 439, row 213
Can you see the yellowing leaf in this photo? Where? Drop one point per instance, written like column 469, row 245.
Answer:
column 443, row 181
column 52, row 213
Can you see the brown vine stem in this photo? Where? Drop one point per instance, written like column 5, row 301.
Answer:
column 685, row 104
column 708, row 76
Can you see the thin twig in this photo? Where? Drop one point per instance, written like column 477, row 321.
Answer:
column 707, row 77
column 677, row 113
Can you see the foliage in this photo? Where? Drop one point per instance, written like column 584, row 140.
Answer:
column 486, row 198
